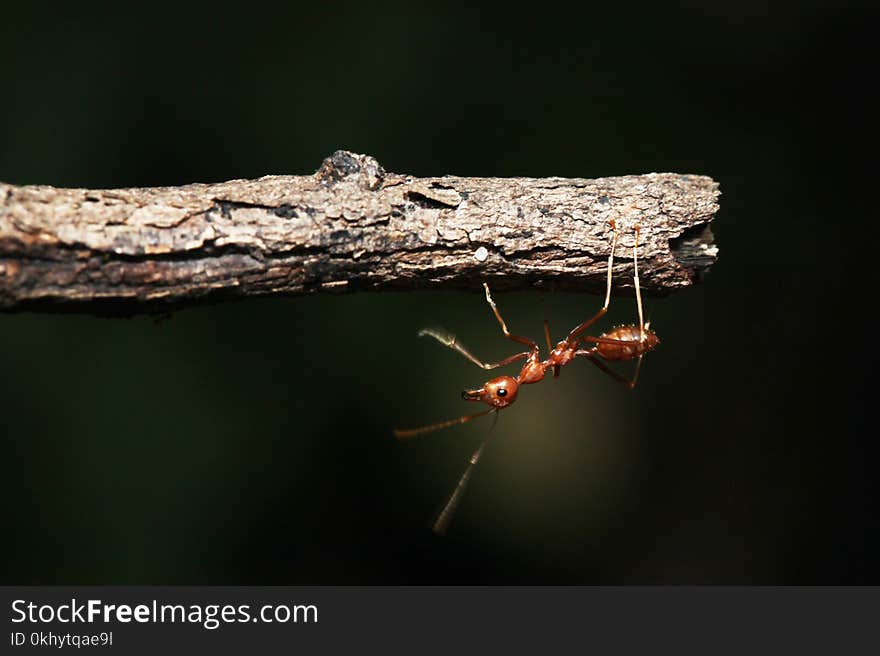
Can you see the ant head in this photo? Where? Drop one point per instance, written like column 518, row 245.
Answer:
column 499, row 392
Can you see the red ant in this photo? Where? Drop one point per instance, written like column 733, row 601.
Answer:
column 621, row 343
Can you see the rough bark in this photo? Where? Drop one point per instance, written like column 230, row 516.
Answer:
column 349, row 227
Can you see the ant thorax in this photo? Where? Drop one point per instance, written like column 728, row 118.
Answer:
column 562, row 354
column 532, row 371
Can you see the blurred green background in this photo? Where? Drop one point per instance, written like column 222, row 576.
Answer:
column 251, row 442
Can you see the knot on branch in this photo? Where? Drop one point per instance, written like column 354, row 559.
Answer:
column 362, row 169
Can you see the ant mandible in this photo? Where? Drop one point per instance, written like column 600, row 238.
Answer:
column 622, row 343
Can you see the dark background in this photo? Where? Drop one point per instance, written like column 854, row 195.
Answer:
column 251, row 442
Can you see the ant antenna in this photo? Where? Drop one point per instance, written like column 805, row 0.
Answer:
column 441, row 525
column 406, row 433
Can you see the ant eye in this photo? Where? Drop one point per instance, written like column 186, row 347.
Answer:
column 502, row 392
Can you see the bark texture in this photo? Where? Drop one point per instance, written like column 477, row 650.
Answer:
column 349, row 227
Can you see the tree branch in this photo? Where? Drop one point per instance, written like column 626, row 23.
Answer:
column 349, row 227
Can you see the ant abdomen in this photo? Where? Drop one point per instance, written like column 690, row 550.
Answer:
column 630, row 342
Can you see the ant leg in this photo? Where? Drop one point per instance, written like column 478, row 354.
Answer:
column 550, row 347
column 636, row 283
column 406, row 433
column 445, row 516
column 642, row 326
column 594, row 357
column 451, row 342
column 515, row 338
column 589, row 322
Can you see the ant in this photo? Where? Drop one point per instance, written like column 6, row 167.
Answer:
column 626, row 342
